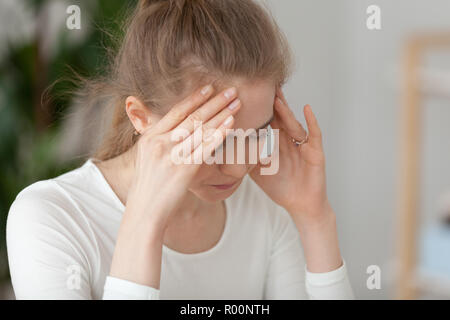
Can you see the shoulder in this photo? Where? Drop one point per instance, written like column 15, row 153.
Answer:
column 46, row 202
column 47, row 236
column 37, row 201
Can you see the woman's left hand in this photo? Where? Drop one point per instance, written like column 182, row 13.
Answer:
column 300, row 184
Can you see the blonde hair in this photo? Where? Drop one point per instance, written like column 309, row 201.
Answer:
column 173, row 46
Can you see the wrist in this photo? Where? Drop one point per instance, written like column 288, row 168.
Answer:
column 137, row 258
column 320, row 241
column 314, row 217
column 147, row 227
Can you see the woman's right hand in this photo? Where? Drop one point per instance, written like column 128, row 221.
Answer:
column 159, row 183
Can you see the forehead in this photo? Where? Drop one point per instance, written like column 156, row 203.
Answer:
column 257, row 98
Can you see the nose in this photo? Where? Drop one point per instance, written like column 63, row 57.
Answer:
column 237, row 171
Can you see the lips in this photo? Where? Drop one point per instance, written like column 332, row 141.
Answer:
column 223, row 186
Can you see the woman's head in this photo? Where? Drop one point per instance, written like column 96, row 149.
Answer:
column 172, row 47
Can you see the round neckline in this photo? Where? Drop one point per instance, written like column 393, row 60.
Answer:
column 166, row 249
column 211, row 250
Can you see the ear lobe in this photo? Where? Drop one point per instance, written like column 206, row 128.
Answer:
column 138, row 113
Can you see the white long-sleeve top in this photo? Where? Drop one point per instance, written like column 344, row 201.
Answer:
column 61, row 235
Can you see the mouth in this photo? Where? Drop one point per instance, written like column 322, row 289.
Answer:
column 223, row 186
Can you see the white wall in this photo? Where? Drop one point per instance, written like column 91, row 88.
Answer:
column 347, row 74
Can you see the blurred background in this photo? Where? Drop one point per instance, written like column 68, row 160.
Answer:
column 382, row 98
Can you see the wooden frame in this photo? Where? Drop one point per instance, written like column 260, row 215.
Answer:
column 407, row 284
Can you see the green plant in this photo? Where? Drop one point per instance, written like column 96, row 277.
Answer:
column 29, row 124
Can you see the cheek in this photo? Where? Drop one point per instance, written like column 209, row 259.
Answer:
column 204, row 172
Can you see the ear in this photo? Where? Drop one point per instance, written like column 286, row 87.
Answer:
column 138, row 113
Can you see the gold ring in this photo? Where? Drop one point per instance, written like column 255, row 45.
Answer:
column 298, row 143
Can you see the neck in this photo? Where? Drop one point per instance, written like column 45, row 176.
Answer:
column 119, row 173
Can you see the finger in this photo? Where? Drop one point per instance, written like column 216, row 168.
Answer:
column 181, row 110
column 208, row 129
column 276, row 124
column 213, row 123
column 276, row 121
column 281, row 95
column 289, row 122
column 190, row 143
column 315, row 133
column 226, row 98
column 204, row 151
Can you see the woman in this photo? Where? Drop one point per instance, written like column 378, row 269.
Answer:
column 133, row 224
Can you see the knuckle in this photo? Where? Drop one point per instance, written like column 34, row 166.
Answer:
column 158, row 142
column 177, row 115
column 209, row 133
column 222, row 101
column 197, row 98
column 158, row 150
column 206, row 130
column 157, row 147
column 215, row 139
column 195, row 117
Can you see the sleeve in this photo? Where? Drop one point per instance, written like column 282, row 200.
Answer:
column 119, row 289
column 44, row 260
column 287, row 275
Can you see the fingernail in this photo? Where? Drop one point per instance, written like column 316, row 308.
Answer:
column 234, row 104
column 228, row 121
column 230, row 93
column 206, row 89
